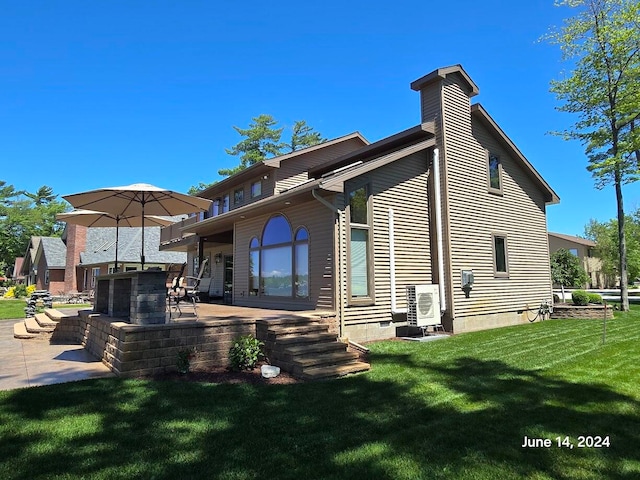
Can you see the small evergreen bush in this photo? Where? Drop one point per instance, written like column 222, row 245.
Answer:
column 580, row 297
column 595, row 298
column 245, row 353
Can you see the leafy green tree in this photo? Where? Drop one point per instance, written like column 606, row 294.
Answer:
column 607, row 249
column 262, row 140
column 23, row 215
column 602, row 42
column 566, row 270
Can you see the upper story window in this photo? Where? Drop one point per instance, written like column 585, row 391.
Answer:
column 495, row 174
column 573, row 251
column 225, row 203
column 256, row 189
column 238, row 196
column 216, row 207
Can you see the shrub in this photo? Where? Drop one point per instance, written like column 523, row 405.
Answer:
column 245, row 353
column 580, row 297
column 20, row 291
column 30, row 289
column 595, row 298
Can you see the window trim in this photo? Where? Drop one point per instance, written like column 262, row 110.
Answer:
column 490, row 156
column 496, row 272
column 370, row 298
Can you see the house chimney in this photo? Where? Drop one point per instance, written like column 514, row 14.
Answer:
column 434, row 89
column 76, row 240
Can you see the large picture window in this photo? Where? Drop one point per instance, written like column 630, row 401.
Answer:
column 279, row 262
column 360, row 262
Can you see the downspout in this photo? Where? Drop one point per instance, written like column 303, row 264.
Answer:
column 392, row 266
column 314, row 193
column 439, row 229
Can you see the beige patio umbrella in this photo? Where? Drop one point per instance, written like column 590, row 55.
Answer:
column 139, row 199
column 92, row 218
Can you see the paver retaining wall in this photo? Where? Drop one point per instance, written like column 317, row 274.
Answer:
column 132, row 350
column 588, row 311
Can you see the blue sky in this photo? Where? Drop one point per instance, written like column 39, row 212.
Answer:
column 104, row 93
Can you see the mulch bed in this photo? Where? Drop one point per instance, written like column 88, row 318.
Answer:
column 225, row 375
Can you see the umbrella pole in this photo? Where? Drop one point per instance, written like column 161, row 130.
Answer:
column 142, row 256
column 115, row 270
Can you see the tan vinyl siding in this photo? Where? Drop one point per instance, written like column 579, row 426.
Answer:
column 319, row 222
column 294, row 171
column 475, row 215
column 401, row 186
column 430, row 103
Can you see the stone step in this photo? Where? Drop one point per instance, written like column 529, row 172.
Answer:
column 56, row 315
column 297, row 330
column 317, row 373
column 289, row 340
column 325, row 359
column 314, row 349
column 20, row 331
column 33, row 326
column 45, row 321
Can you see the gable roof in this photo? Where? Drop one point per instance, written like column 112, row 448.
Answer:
column 54, row 251
column 481, row 114
column 441, row 74
column 571, row 238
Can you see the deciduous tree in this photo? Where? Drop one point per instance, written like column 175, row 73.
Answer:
column 602, row 44
column 566, row 270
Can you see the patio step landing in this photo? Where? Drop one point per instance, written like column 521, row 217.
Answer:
column 305, row 348
column 40, row 326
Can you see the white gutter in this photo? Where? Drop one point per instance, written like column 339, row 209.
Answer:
column 314, row 193
column 439, row 229
column 392, row 266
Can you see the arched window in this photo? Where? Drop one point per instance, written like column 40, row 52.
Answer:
column 279, row 261
column 276, row 258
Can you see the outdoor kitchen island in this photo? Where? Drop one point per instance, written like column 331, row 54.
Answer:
column 136, row 296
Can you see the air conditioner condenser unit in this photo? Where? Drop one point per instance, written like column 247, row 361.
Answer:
column 423, row 305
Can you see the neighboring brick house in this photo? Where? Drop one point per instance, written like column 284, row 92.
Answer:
column 584, row 250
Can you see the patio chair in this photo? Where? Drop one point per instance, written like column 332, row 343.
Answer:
column 185, row 290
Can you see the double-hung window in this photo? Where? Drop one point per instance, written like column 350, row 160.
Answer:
column 360, row 263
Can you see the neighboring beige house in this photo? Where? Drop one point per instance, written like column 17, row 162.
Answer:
column 583, row 249
column 449, row 210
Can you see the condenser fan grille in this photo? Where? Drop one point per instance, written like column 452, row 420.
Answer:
column 425, row 304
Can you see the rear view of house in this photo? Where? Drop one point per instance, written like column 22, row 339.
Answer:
column 444, row 222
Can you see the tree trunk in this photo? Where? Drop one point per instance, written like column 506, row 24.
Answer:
column 624, row 290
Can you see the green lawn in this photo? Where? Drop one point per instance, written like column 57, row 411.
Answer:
column 455, row 408
column 12, row 309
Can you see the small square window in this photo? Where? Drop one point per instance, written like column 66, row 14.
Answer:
column 495, row 173
column 256, row 189
column 238, row 196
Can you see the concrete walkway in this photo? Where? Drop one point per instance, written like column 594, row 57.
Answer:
column 28, row 363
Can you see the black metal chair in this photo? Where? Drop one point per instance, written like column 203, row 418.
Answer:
column 185, row 291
